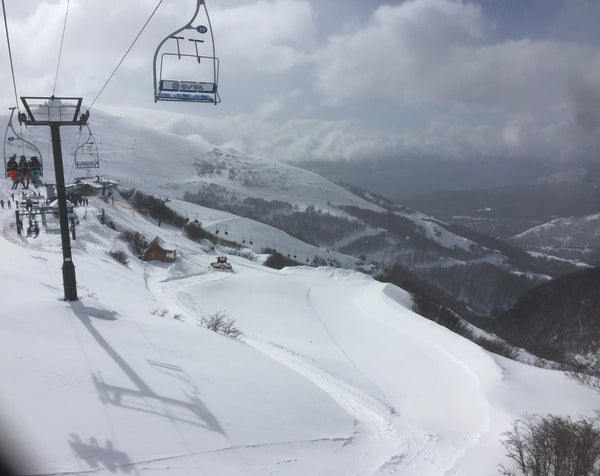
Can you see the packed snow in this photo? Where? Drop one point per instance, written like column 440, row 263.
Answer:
column 334, row 373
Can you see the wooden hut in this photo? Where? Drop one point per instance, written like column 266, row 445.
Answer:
column 155, row 251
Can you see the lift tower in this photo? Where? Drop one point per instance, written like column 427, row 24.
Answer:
column 55, row 112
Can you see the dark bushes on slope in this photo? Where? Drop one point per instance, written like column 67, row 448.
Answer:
column 137, row 241
column 277, row 261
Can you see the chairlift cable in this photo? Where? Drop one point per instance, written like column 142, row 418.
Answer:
column 126, row 53
column 12, row 68
column 60, row 49
column 71, row 172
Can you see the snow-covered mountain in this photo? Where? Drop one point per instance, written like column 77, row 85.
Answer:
column 570, row 237
column 507, row 211
column 334, row 372
column 267, row 205
column 163, row 163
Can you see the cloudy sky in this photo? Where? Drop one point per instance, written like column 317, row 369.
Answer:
column 337, row 79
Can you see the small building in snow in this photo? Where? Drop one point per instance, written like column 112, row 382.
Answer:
column 155, row 251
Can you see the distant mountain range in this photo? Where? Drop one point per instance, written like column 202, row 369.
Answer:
column 557, row 214
column 558, row 320
column 404, row 178
column 572, row 193
column 570, row 238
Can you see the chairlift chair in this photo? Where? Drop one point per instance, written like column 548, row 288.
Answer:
column 16, row 144
column 86, row 154
column 185, row 66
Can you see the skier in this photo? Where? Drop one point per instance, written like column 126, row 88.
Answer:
column 35, row 170
column 23, row 169
column 12, row 169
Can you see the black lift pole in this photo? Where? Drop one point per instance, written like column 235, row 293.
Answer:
column 56, row 112
column 68, row 268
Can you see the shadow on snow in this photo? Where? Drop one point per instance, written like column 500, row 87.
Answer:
column 139, row 396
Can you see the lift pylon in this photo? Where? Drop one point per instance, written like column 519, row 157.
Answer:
column 55, row 112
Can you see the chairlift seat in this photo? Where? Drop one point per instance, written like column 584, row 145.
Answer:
column 95, row 164
column 196, row 91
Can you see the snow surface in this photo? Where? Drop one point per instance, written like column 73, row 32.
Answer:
column 334, row 373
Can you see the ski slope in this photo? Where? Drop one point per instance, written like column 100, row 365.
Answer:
column 334, row 373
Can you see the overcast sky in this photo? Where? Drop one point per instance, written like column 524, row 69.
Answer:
column 337, row 79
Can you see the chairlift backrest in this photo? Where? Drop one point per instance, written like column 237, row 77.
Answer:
column 186, row 68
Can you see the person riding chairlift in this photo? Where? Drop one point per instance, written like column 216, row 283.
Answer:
column 24, row 171
column 35, row 171
column 13, row 170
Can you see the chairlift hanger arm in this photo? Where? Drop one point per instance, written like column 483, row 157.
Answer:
column 171, row 89
column 17, row 135
column 187, row 26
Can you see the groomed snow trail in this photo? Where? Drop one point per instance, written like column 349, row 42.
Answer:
column 328, row 337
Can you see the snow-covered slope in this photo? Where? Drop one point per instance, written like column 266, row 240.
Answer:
column 167, row 164
column 334, row 373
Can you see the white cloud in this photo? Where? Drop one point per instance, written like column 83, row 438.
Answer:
column 436, row 51
column 397, row 49
column 433, row 59
column 265, row 36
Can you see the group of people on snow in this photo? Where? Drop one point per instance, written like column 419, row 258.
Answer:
column 8, row 202
column 33, row 228
column 25, row 171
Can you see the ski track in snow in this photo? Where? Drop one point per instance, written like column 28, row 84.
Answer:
column 369, row 412
column 388, row 445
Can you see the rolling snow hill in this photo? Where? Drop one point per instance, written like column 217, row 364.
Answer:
column 334, row 373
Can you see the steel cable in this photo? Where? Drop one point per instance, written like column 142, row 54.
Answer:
column 125, row 55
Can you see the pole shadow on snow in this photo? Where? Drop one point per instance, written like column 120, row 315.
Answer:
column 98, row 457
column 140, row 396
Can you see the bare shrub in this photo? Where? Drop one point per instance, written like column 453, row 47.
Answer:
column 160, row 312
column 137, row 241
column 221, row 323
column 120, row 256
column 554, row 446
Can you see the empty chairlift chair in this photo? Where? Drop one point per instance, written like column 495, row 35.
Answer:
column 86, row 154
column 186, row 68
